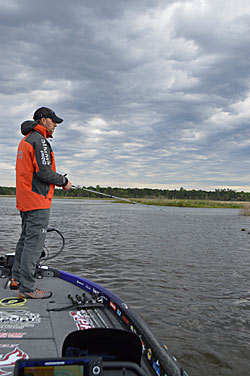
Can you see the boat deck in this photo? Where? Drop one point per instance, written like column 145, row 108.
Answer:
column 32, row 328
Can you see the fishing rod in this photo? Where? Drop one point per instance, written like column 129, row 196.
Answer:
column 109, row 196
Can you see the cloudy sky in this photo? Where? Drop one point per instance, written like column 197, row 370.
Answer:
column 154, row 93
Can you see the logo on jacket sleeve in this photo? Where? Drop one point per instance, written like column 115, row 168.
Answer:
column 20, row 154
column 45, row 157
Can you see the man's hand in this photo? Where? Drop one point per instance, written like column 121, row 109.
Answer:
column 67, row 186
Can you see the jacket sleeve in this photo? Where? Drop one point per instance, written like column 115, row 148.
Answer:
column 43, row 164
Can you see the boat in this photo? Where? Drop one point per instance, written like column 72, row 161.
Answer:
column 83, row 329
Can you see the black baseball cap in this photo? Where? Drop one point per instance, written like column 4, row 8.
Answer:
column 46, row 113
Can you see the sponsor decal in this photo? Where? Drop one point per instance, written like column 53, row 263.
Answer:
column 125, row 319
column 149, row 354
column 8, row 345
column 9, row 360
column 113, row 306
column 45, row 158
column 11, row 335
column 132, row 329
column 143, row 344
column 79, row 283
column 82, row 320
column 18, row 319
column 12, row 302
column 118, row 312
column 156, row 366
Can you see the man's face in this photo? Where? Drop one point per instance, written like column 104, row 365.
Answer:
column 49, row 124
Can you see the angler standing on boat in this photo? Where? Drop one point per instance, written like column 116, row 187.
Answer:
column 36, row 178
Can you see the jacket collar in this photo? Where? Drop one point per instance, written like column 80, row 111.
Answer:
column 44, row 131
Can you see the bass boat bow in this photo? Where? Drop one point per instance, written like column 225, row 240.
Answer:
column 83, row 329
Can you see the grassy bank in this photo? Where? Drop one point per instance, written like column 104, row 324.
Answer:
column 197, row 203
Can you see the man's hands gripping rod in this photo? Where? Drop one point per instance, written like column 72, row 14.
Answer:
column 68, row 186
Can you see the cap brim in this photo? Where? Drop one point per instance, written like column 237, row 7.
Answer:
column 56, row 119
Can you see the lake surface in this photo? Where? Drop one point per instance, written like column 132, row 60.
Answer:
column 185, row 271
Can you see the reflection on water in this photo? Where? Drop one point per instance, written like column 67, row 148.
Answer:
column 185, row 271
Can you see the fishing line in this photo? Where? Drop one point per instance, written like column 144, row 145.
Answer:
column 115, row 197
column 107, row 195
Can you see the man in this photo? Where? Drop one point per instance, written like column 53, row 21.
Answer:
column 36, row 178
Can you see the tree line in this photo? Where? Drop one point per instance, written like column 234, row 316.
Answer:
column 149, row 193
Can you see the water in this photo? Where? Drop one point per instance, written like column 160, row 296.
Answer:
column 185, row 271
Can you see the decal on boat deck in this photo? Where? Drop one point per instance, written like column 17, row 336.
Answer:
column 88, row 287
column 118, row 312
column 149, row 354
column 18, row 319
column 12, row 302
column 8, row 345
column 80, row 283
column 156, row 366
column 9, row 360
column 112, row 305
column 132, row 329
column 11, row 335
column 82, row 320
column 125, row 319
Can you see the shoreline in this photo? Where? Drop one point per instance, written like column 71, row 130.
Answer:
column 182, row 203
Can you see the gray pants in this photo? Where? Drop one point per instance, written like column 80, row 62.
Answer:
column 29, row 247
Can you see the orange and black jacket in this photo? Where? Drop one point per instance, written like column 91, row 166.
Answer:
column 36, row 174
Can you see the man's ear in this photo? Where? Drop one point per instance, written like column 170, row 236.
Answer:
column 42, row 121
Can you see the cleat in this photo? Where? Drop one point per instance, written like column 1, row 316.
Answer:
column 14, row 285
column 36, row 294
